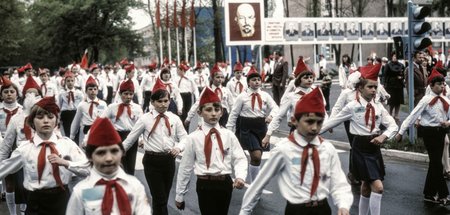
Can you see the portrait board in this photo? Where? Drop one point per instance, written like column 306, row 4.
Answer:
column 382, row 30
column 337, row 31
column 307, row 30
column 243, row 22
column 352, row 30
column 368, row 31
column 396, row 29
column 291, row 30
column 437, row 29
column 447, row 30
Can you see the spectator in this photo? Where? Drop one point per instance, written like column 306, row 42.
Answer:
column 394, row 83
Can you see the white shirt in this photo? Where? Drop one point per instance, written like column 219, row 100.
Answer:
column 187, row 85
column 174, row 93
column 87, row 198
column 201, row 80
column 429, row 115
column 194, row 158
column 343, row 74
column 226, row 98
column 148, row 81
column 3, row 115
column 137, row 92
column 52, row 90
column 355, row 112
column 82, row 117
column 159, row 140
column 243, row 107
column 63, row 99
column 14, row 132
column 233, row 87
column 26, row 157
column 125, row 122
column 284, row 163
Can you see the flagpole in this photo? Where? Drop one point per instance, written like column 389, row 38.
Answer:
column 178, row 47
column 168, row 44
column 194, row 46
column 186, row 56
column 160, row 47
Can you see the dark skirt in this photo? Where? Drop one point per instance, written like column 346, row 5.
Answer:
column 367, row 161
column 397, row 97
column 250, row 132
column 173, row 107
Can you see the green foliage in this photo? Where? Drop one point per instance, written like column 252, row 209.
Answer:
column 59, row 31
column 11, row 39
column 405, row 145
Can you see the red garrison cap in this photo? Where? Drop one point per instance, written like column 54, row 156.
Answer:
column 6, row 82
column 124, row 61
column 48, row 103
column 159, row 85
column 91, row 80
column 199, row 65
column 129, row 68
column 252, row 73
column 301, row 67
column 126, row 86
column 69, row 73
column 153, row 65
column 370, row 71
column 215, row 69
column 103, row 133
column 238, row 67
column 184, row 67
column 310, row 103
column 92, row 67
column 434, row 74
column 28, row 66
column 30, row 83
column 438, row 64
column 208, row 96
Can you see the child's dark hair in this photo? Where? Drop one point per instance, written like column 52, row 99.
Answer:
column 35, row 111
column 215, row 104
column 298, row 80
column 159, row 94
column 300, row 115
column 91, row 148
column 13, row 85
column 436, row 79
column 163, row 71
column 90, row 85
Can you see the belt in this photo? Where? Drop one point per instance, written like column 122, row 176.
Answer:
column 51, row 190
column 213, row 177
column 157, row 153
column 312, row 204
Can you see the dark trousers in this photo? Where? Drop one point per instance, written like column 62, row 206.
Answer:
column 350, row 140
column 299, row 209
column 214, row 196
column 159, row 171
column 110, row 95
column 66, row 120
column 433, row 137
column 147, row 95
column 187, row 103
column 277, row 92
column 129, row 160
column 49, row 201
column 326, row 95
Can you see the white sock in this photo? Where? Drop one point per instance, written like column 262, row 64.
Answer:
column 254, row 170
column 23, row 208
column 375, row 203
column 363, row 205
column 10, row 201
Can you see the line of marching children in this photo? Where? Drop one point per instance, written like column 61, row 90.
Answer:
column 77, row 149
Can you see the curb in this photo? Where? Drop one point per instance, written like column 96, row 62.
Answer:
column 389, row 153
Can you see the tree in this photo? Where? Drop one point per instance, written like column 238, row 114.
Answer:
column 13, row 31
column 63, row 29
column 218, row 41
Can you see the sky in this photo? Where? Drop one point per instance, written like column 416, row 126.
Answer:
column 140, row 18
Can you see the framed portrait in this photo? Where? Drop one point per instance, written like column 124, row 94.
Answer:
column 323, row 30
column 307, row 30
column 352, row 30
column 437, row 29
column 337, row 31
column 382, row 31
column 396, row 29
column 291, row 31
column 368, row 30
column 447, row 30
column 243, row 22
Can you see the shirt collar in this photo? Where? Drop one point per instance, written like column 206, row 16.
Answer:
column 206, row 127
column 156, row 113
column 38, row 140
column 89, row 100
column 250, row 90
column 302, row 142
column 95, row 175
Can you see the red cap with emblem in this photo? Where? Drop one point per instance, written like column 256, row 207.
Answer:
column 29, row 84
column 48, row 103
column 91, row 81
column 208, row 96
column 103, row 133
column 310, row 103
column 370, row 72
column 126, row 86
column 238, row 67
column 159, row 85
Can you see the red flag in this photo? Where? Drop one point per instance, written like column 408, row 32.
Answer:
column 158, row 15
column 175, row 19
column 183, row 15
column 192, row 18
column 167, row 14
column 84, row 60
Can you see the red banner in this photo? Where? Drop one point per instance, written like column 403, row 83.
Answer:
column 183, row 15
column 84, row 60
column 175, row 19
column 192, row 17
column 158, row 15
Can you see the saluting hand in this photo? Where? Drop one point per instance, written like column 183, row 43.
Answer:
column 54, row 158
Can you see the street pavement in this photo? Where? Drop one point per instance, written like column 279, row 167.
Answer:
column 403, row 184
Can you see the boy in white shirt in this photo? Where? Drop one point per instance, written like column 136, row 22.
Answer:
column 291, row 159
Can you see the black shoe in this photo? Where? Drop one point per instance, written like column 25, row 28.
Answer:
column 444, row 201
column 447, row 175
column 431, row 199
